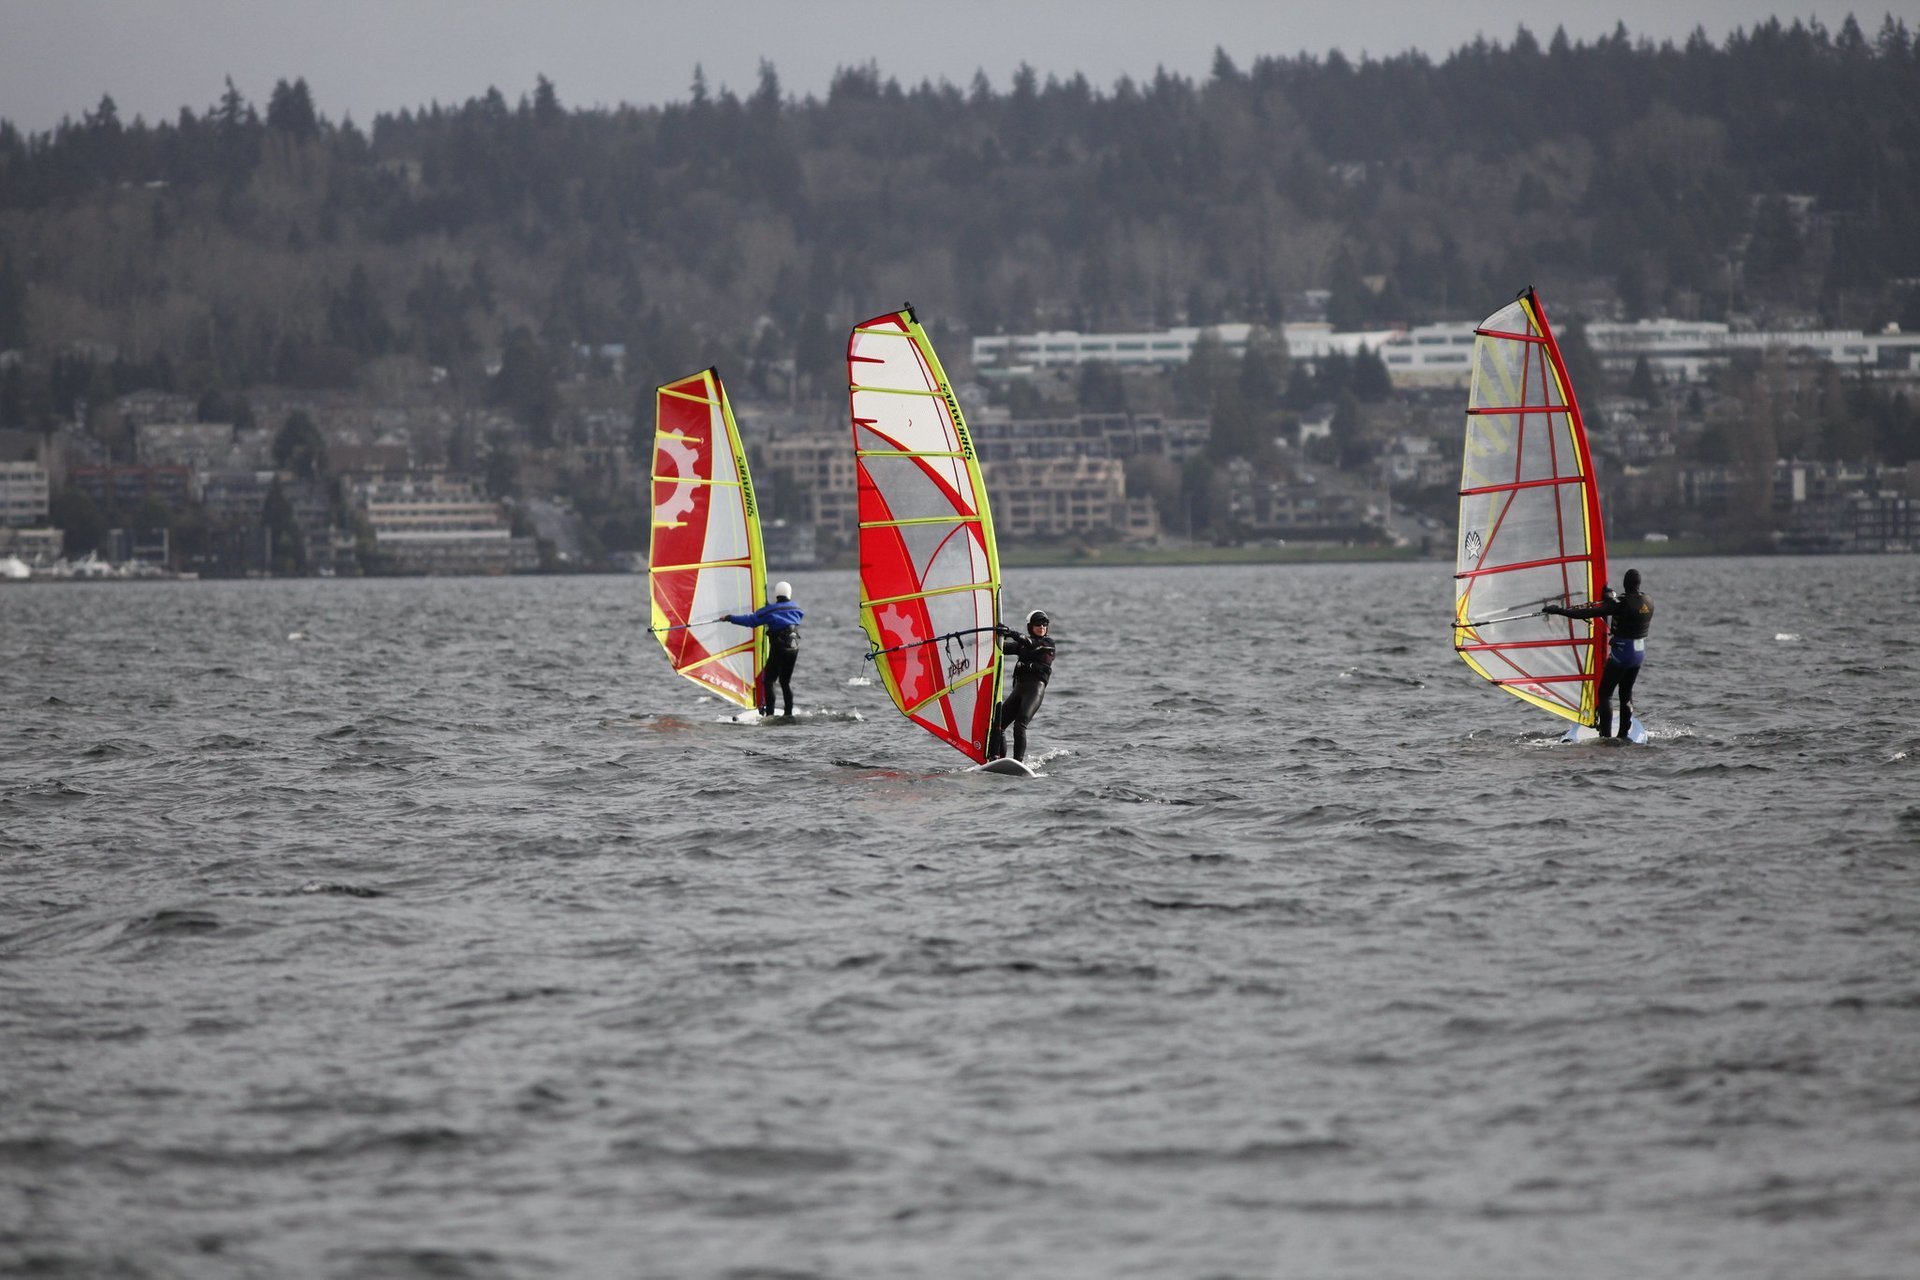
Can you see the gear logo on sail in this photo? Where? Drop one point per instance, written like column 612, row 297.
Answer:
column 1471, row 548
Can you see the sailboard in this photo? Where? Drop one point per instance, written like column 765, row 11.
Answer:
column 1530, row 525
column 705, row 558
column 929, row 570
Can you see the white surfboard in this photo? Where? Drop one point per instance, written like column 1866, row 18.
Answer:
column 1636, row 733
column 1007, row 765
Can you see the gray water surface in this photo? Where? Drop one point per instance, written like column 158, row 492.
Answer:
column 435, row 928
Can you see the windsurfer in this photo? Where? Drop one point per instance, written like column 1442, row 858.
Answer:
column 1033, row 667
column 1630, row 615
column 782, row 621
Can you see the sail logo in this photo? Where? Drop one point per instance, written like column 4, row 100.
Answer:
column 959, row 423
column 746, row 483
column 957, row 667
column 1471, row 548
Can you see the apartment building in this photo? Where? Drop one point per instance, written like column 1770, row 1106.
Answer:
column 24, row 494
column 440, row 524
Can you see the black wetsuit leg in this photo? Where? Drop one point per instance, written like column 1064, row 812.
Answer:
column 1017, row 711
column 779, row 668
column 1627, row 676
column 1609, row 680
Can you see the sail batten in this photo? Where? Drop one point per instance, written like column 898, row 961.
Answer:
column 1530, row 527
column 705, row 559
column 929, row 568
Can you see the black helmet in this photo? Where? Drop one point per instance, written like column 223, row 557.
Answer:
column 1632, row 580
column 1038, row 618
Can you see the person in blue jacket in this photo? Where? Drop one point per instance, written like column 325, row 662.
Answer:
column 1630, row 616
column 782, row 621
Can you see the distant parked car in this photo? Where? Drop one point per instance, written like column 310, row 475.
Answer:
column 1654, row 537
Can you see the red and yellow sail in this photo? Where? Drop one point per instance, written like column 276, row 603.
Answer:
column 1530, row 528
column 705, row 559
column 929, row 571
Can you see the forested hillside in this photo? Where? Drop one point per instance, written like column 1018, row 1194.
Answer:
column 1777, row 174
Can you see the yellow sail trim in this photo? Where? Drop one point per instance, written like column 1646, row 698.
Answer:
column 922, row 595
column 688, row 395
column 906, row 520
column 743, row 647
column 947, row 689
column 707, row 564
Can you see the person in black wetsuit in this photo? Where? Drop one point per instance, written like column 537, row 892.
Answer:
column 1033, row 667
column 782, row 621
column 1629, row 616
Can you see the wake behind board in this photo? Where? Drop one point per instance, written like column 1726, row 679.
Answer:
column 1007, row 765
column 1636, row 733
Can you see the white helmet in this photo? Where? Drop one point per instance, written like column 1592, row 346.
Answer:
column 1038, row 618
column 783, row 591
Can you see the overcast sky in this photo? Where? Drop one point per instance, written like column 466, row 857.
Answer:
column 364, row 57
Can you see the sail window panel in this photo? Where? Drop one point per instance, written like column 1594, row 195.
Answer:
column 919, row 488
column 914, row 424
column 726, row 524
column 972, row 711
column 939, row 553
column 723, row 591
column 1533, row 527
column 949, row 469
column 1545, row 447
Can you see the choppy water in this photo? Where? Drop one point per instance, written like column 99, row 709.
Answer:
column 434, row 928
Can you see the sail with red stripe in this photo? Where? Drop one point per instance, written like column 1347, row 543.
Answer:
column 705, row 559
column 1530, row 528
column 929, row 571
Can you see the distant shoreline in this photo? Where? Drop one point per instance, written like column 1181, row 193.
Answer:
column 1124, row 557
column 1017, row 557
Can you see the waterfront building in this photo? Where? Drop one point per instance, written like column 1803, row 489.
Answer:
column 439, row 524
column 24, row 494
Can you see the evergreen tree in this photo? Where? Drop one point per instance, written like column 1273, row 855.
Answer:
column 300, row 448
column 355, row 318
column 13, row 307
column 1371, row 381
column 81, row 524
column 525, row 386
column 1101, row 388
column 1641, row 386
column 546, row 103
column 290, row 111
column 288, row 547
